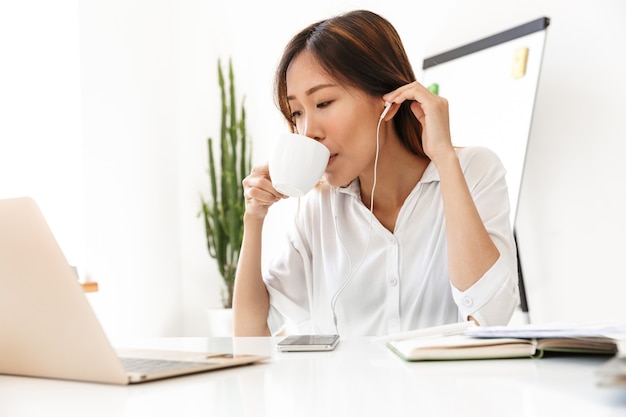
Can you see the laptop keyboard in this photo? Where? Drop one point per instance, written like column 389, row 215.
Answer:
column 145, row 366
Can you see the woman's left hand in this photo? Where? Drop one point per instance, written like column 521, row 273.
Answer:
column 432, row 112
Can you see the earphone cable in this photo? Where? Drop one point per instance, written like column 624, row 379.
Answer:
column 345, row 283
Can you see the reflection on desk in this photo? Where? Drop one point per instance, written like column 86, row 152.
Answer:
column 358, row 378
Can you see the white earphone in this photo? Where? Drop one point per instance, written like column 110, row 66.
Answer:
column 387, row 107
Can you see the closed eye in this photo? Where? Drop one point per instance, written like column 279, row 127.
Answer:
column 297, row 113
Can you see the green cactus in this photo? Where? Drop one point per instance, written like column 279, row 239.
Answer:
column 223, row 211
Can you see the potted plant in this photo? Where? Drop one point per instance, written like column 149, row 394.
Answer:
column 223, row 210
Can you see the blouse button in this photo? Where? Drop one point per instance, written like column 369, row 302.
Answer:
column 467, row 302
column 393, row 282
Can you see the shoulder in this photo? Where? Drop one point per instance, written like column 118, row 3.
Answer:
column 475, row 159
column 477, row 154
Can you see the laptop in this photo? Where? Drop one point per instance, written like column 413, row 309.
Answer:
column 47, row 326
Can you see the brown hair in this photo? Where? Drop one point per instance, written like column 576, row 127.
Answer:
column 360, row 49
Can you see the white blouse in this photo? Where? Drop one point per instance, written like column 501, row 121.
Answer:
column 396, row 281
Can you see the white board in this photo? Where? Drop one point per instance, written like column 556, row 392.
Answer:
column 489, row 105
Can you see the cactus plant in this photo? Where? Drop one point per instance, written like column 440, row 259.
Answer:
column 223, row 211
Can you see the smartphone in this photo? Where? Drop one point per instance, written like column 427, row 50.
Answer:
column 308, row 343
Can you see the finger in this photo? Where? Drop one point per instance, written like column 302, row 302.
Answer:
column 261, row 189
column 262, row 170
column 260, row 177
column 417, row 110
column 413, row 91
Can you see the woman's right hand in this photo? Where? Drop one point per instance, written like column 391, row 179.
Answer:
column 259, row 192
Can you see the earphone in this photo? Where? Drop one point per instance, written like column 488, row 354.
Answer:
column 386, row 110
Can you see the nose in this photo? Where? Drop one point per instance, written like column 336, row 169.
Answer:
column 309, row 127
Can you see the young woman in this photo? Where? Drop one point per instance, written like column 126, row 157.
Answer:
column 406, row 231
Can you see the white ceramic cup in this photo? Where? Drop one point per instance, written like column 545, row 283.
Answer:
column 297, row 163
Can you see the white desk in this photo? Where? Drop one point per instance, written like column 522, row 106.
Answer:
column 360, row 378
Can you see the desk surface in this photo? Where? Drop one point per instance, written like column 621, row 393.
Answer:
column 360, row 378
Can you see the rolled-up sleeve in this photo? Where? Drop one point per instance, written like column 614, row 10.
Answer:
column 493, row 299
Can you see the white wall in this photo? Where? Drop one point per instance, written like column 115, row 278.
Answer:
column 134, row 130
column 129, row 93
column 41, row 152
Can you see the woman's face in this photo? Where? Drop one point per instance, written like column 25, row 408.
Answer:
column 342, row 118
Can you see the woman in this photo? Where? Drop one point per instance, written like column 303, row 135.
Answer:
column 406, row 231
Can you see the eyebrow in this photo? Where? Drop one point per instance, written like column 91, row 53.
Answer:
column 313, row 90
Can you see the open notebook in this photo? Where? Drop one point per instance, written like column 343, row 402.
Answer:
column 47, row 326
column 526, row 341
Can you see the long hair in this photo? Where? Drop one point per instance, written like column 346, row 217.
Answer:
column 360, row 49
